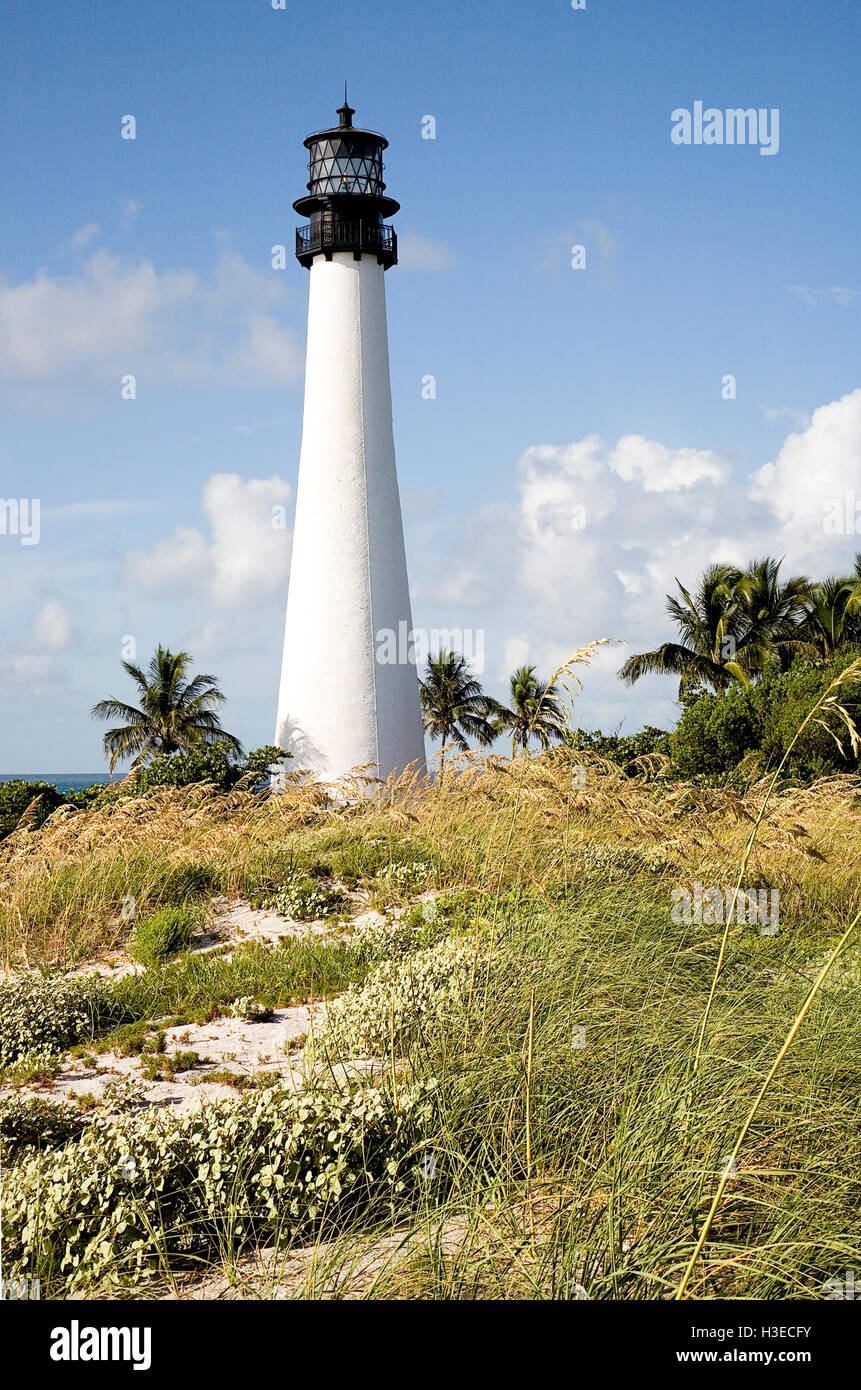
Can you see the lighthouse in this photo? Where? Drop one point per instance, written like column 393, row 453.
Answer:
column 349, row 693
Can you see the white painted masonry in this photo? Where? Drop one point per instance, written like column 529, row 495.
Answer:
column 338, row 707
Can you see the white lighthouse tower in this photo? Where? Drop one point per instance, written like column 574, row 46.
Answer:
column 349, row 695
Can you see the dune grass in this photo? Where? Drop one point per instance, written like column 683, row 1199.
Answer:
column 588, row 1132
column 577, row 1166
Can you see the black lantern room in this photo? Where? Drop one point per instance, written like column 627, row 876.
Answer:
column 346, row 199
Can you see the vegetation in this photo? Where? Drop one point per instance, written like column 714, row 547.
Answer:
column 454, row 706
column 166, row 933
column 556, row 1138
column 537, row 710
column 42, row 1015
column 27, row 805
column 740, row 624
column 305, row 899
column 218, row 764
column 531, row 1079
column 35, row 800
column 134, row 1192
column 39, row 1016
column 634, row 753
column 176, row 714
column 30, row 1123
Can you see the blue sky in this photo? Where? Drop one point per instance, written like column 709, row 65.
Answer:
column 561, row 394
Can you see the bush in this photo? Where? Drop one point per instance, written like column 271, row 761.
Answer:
column 218, row 763
column 164, row 934
column 93, row 797
column 249, row 1010
column 785, row 700
column 399, row 996
column 41, row 1014
column 715, row 732
column 406, row 878
column 623, row 749
column 305, row 900
column 17, row 796
column 30, row 1122
column 108, row 1207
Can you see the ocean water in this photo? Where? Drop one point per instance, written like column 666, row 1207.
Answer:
column 63, row 781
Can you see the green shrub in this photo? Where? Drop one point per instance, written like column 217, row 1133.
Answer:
column 354, row 859
column 17, row 796
column 93, row 797
column 41, row 1014
column 30, row 1122
column 400, row 995
column 218, row 763
column 386, row 938
column 249, row 1009
column 624, row 749
column 164, row 934
column 107, row 1208
column 305, row 899
column 187, row 880
column 784, row 701
column 715, row 732
column 406, row 878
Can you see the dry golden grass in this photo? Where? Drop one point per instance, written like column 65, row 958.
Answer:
column 489, row 823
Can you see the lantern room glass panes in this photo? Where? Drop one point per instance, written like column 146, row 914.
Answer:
column 346, row 164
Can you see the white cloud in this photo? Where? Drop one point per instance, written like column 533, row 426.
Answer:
column 834, row 294
column 600, row 532
column 598, row 242
column 662, row 469
column 245, row 554
column 775, row 414
column 174, row 563
column 53, row 627
column 249, row 554
column 813, row 465
column 515, row 653
column 115, row 316
column 83, row 236
column 630, row 582
column 268, row 355
column 48, row 325
column 423, row 253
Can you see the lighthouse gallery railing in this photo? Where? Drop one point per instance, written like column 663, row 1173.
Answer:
column 347, row 236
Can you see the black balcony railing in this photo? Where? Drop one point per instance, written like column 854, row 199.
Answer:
column 368, row 238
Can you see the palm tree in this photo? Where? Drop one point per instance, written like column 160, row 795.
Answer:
column 176, row 714
column 773, row 613
column 454, row 706
column 834, row 612
column 737, row 625
column 711, row 626
column 536, row 709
